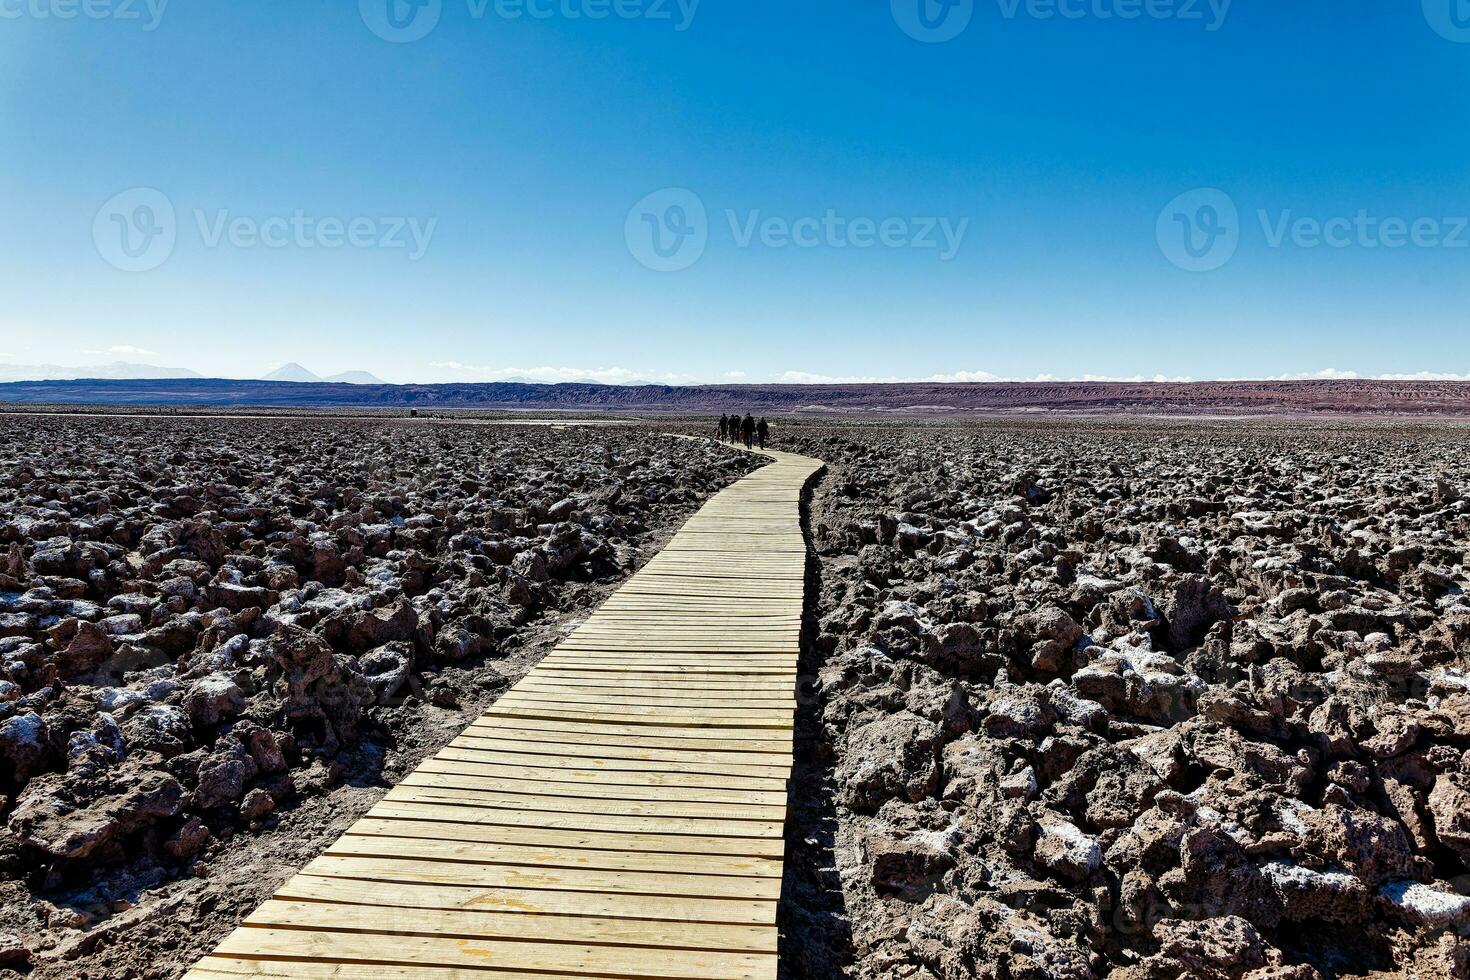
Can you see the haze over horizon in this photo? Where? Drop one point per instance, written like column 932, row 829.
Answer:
column 432, row 213
column 292, row 372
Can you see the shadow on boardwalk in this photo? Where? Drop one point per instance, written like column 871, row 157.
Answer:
column 816, row 937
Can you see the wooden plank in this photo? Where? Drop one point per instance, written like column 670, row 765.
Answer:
column 678, row 654
column 670, row 884
column 360, row 947
column 682, row 720
column 785, row 640
column 432, row 775
column 571, row 679
column 533, row 748
column 653, row 698
column 754, row 712
column 727, row 668
column 749, row 742
column 384, row 881
column 227, row 968
column 598, row 778
column 621, row 685
column 525, row 901
column 741, row 833
column 671, row 624
column 596, row 803
column 710, row 653
column 739, row 687
column 353, row 844
column 531, row 836
column 595, row 761
column 615, row 732
column 588, row 930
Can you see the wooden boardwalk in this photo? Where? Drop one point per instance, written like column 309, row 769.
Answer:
column 618, row 813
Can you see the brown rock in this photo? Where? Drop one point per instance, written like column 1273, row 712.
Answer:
column 45, row 821
column 257, row 804
column 188, row 840
column 892, row 757
column 1449, row 807
column 86, row 651
column 13, row 950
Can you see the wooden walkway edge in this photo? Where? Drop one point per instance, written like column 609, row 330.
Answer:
column 618, row 813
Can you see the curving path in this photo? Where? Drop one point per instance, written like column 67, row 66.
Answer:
column 618, row 813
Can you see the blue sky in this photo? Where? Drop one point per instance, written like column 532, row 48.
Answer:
column 481, row 201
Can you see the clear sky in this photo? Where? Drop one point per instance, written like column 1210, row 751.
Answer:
column 836, row 190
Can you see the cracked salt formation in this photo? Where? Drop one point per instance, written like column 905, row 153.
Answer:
column 1139, row 700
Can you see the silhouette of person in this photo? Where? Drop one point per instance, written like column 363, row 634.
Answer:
column 724, row 427
column 747, row 429
column 763, row 431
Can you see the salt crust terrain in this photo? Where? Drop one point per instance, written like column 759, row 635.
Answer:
column 1136, row 700
column 1133, row 699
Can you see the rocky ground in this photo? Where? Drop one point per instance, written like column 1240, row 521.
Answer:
column 222, row 640
column 1141, row 700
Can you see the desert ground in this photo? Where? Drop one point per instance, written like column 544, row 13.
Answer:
column 1080, row 698
column 1139, row 700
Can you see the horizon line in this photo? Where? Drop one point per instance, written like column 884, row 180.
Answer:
column 1424, row 378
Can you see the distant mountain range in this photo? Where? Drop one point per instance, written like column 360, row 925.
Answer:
column 354, row 378
column 124, row 371
column 1338, row 397
column 297, row 374
column 292, row 372
column 116, row 371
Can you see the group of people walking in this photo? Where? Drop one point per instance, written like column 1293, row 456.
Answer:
column 747, row 430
